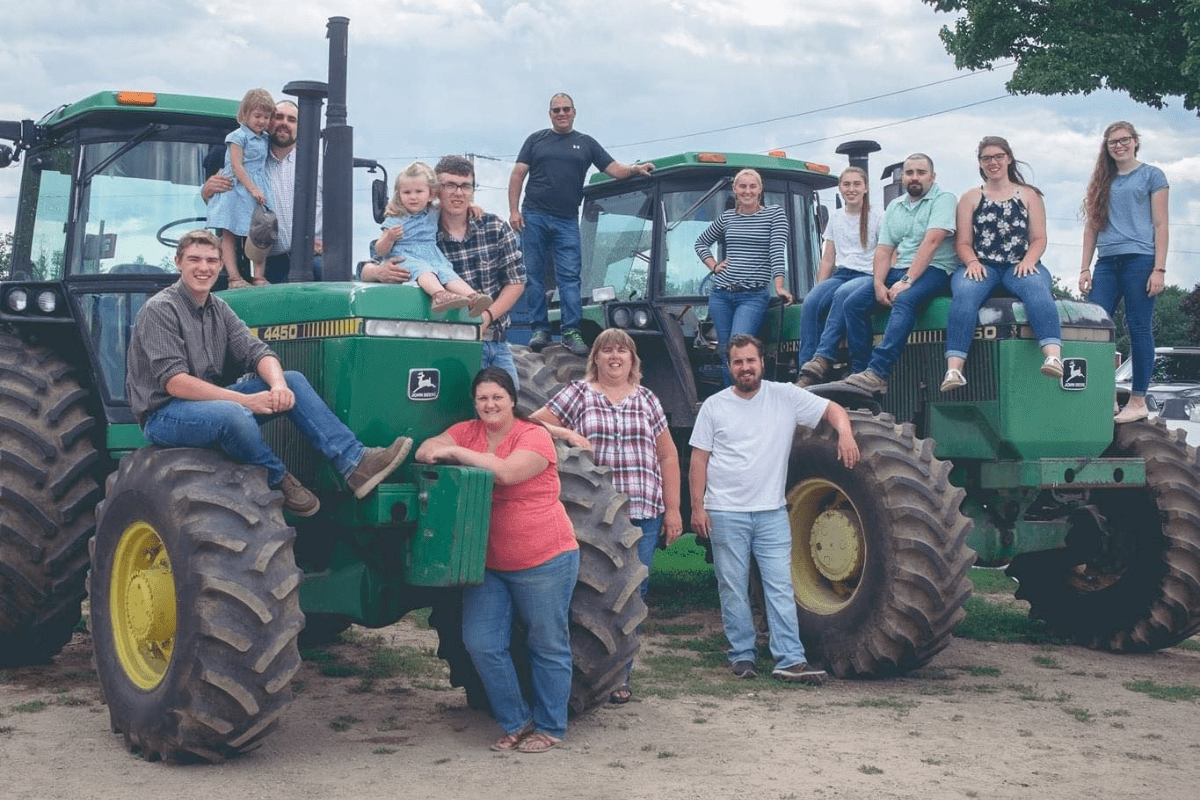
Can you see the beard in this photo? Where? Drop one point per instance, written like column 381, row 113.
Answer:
column 915, row 190
column 283, row 137
column 748, row 382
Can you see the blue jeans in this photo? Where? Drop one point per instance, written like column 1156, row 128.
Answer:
column 541, row 598
column 733, row 312
column 545, row 234
column 861, row 304
column 817, row 317
column 497, row 354
column 233, row 429
column 646, row 547
column 1034, row 290
column 767, row 535
column 1125, row 276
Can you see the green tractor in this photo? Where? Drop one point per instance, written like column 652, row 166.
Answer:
column 1100, row 526
column 200, row 587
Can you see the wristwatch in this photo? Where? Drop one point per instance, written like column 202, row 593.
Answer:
column 906, row 279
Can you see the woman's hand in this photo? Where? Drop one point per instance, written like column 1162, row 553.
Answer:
column 258, row 195
column 975, row 271
column 1156, row 283
column 672, row 526
column 443, row 454
column 1025, row 268
column 719, row 266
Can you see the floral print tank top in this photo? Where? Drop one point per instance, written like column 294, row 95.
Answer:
column 1001, row 229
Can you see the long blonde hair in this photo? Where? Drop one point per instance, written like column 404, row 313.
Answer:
column 1095, row 201
column 417, row 169
column 866, row 202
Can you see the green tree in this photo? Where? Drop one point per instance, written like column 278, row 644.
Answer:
column 1149, row 49
column 1190, row 306
column 6, row 242
column 1172, row 323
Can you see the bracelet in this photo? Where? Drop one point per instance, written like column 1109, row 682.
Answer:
column 491, row 316
column 1085, row 269
column 1163, row 270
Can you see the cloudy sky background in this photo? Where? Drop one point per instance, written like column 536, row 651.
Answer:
column 649, row 78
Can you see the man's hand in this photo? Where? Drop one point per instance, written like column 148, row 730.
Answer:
column 259, row 403
column 282, row 399
column 881, row 294
column 701, row 524
column 390, row 271
column 217, row 184
column 897, row 288
column 516, row 221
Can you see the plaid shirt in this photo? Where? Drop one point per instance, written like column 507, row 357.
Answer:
column 624, row 438
column 173, row 335
column 489, row 258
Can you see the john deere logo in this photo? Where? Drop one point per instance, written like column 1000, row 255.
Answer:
column 423, row 384
column 1074, row 377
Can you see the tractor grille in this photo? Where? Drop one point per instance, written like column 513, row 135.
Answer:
column 301, row 458
column 918, row 374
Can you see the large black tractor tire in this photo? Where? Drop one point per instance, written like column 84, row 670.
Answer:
column 543, row 374
column 195, row 605
column 879, row 553
column 1138, row 588
column 606, row 608
column 48, row 496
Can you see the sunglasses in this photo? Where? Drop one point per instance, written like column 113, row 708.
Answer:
column 560, row 109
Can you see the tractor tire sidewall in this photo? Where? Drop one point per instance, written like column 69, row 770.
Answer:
column 543, row 374
column 913, row 582
column 49, row 468
column 238, row 616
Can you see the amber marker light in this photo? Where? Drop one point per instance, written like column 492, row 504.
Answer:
column 136, row 98
column 777, row 153
column 814, row 167
column 711, row 158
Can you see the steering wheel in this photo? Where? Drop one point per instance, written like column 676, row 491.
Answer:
column 136, row 269
column 705, row 288
column 173, row 243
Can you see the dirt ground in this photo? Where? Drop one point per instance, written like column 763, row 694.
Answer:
column 982, row 720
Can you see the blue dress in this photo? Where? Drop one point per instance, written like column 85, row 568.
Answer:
column 418, row 246
column 232, row 210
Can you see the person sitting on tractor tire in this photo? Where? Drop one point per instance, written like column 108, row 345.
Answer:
column 182, row 341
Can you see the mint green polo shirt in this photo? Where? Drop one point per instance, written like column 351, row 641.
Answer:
column 905, row 224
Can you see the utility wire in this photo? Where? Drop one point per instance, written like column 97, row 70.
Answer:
column 891, row 124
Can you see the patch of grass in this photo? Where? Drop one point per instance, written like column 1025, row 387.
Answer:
column 1192, row 644
column 5, row 676
column 68, row 700
column 341, row 670
column 672, row 628
column 344, row 722
column 1000, row 622
column 990, row 581
column 317, row 656
column 6, row 729
column 681, row 580
column 388, row 662
column 1140, row 757
column 700, row 720
column 420, row 618
column 1025, row 692
column 1081, row 714
column 391, row 724
column 616, row 765
column 382, row 751
column 901, row 707
column 298, row 687
column 933, row 762
column 1120, row 712
column 982, row 688
column 666, row 754
column 977, row 671
column 442, row 761
column 870, row 769
column 1047, row 662
column 933, row 674
column 82, row 625
column 1159, row 692
column 32, row 707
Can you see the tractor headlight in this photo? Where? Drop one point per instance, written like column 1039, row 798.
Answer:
column 47, row 301
column 18, row 300
column 641, row 318
column 419, row 329
column 621, row 317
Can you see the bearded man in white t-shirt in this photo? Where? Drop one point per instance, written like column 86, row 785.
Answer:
column 740, row 447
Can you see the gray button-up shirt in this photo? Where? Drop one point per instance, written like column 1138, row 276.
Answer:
column 173, row 335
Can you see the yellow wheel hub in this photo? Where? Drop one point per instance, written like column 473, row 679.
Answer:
column 828, row 546
column 142, row 605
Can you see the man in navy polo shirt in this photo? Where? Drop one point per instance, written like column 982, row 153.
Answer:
column 556, row 160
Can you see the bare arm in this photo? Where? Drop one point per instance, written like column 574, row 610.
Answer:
column 1089, row 251
column 515, row 181
column 884, row 256
column 557, row 430
column 697, row 483
column 391, row 271
column 837, row 417
column 519, row 466
column 921, row 260
column 215, row 185
column 1158, row 218
column 239, row 169
column 828, row 258
column 964, row 236
column 620, row 172
column 668, row 464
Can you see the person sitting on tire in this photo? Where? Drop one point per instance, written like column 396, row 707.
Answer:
column 740, row 447
column 532, row 564
column 611, row 413
column 184, row 338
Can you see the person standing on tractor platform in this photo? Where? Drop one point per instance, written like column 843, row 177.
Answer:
column 245, row 163
column 484, row 251
column 281, row 178
column 740, row 448
column 755, row 238
column 182, row 341
column 846, row 264
column 918, row 229
column 1126, row 210
column 556, row 160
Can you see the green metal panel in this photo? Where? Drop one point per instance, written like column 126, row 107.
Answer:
column 125, row 437
column 816, row 175
column 450, row 544
column 165, row 104
column 305, row 302
column 1064, row 473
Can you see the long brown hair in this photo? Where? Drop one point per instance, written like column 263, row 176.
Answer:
column 1014, row 169
column 1095, row 202
column 866, row 202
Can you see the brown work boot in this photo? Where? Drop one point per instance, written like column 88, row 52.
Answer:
column 376, row 464
column 813, row 372
column 297, row 499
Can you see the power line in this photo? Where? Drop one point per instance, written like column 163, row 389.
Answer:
column 891, row 124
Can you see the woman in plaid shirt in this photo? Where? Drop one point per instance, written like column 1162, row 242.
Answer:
column 612, row 414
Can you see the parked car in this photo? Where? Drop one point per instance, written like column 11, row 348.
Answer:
column 1174, row 392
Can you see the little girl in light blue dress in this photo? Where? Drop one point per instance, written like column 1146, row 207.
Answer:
column 410, row 232
column 246, row 151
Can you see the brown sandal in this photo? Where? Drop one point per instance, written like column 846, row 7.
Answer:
column 238, row 283
column 537, row 743
column 509, row 741
column 261, row 282
column 446, row 300
column 478, row 303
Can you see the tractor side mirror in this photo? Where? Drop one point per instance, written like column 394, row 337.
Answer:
column 379, row 199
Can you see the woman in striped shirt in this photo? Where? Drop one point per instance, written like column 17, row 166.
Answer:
column 755, row 247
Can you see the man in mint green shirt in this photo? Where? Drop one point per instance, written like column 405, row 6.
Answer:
column 919, row 230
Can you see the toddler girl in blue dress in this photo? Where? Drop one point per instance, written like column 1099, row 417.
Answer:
column 410, row 232
column 246, row 152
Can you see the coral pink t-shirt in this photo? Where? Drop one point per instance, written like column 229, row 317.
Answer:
column 529, row 525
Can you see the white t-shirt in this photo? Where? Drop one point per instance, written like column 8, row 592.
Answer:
column 750, row 441
column 842, row 230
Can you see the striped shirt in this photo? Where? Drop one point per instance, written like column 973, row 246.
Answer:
column 173, row 336
column 624, row 437
column 755, row 247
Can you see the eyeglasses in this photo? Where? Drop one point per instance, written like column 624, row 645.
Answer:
column 996, row 159
column 1122, row 142
column 560, row 109
column 465, row 188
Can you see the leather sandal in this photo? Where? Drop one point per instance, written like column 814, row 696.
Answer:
column 238, row 283
column 509, row 741
column 537, row 743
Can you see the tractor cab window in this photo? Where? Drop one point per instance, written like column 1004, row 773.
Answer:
column 616, row 236
column 41, row 236
column 134, row 203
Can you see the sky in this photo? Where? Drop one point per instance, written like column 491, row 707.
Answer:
column 649, row 78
